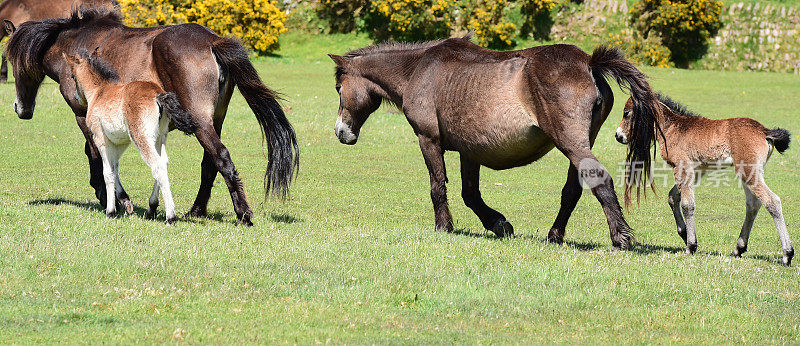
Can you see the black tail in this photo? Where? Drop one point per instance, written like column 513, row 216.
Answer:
column 607, row 61
column 169, row 104
column 780, row 138
column 284, row 156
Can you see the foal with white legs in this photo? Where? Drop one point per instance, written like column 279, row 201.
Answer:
column 693, row 144
column 120, row 113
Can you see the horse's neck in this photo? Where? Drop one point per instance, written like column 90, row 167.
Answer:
column 391, row 71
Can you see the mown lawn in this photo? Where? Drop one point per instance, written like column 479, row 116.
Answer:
column 352, row 257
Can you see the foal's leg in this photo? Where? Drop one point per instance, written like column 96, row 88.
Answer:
column 490, row 218
column 753, row 205
column 111, row 154
column 684, row 179
column 153, row 201
column 772, row 203
column 434, row 159
column 674, row 200
column 570, row 194
column 151, row 151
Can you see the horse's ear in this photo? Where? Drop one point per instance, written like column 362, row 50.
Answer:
column 338, row 59
column 9, row 27
column 96, row 52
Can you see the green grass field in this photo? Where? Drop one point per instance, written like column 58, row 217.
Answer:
column 352, row 257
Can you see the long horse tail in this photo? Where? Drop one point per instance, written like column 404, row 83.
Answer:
column 779, row 138
column 607, row 61
column 283, row 153
column 171, row 107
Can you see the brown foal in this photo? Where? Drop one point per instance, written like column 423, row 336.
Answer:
column 117, row 114
column 692, row 145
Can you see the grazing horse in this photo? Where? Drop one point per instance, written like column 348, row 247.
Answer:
column 693, row 145
column 500, row 110
column 200, row 67
column 117, row 114
column 20, row 11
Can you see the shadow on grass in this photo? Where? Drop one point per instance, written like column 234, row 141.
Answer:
column 138, row 211
column 284, row 218
column 475, row 234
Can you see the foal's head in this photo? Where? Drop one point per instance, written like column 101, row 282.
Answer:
column 89, row 72
column 624, row 128
column 358, row 98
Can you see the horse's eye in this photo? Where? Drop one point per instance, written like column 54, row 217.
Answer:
column 626, row 115
column 338, row 89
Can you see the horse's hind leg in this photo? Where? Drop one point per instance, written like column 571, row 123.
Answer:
column 674, row 200
column 153, row 201
column 470, row 192
column 772, row 203
column 570, row 195
column 753, row 205
column 155, row 157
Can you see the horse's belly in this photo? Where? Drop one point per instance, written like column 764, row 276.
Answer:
column 510, row 150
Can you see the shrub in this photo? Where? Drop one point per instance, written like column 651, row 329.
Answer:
column 152, row 12
column 410, row 20
column 649, row 51
column 341, row 15
column 683, row 26
column 257, row 23
column 490, row 26
column 537, row 17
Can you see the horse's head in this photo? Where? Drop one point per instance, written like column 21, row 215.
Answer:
column 26, row 80
column 624, row 128
column 358, row 98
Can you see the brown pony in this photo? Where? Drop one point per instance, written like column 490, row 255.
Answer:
column 20, row 11
column 118, row 114
column 200, row 67
column 693, row 145
column 499, row 110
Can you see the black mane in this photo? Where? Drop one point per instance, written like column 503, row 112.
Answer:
column 28, row 44
column 675, row 107
column 101, row 67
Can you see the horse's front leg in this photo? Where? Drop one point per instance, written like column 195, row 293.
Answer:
column 685, row 179
column 570, row 195
column 674, row 200
column 3, row 69
column 470, row 192
column 434, row 159
column 96, row 170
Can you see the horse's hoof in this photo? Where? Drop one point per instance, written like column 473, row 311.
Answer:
column 172, row 220
column 691, row 249
column 555, row 236
column 150, row 214
column 196, row 212
column 111, row 215
column 127, row 205
column 787, row 257
column 503, row 228
column 244, row 220
column 738, row 251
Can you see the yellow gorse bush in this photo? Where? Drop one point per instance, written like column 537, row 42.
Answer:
column 490, row 26
column 257, row 23
column 410, row 20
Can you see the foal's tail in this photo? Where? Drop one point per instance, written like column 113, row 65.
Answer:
column 169, row 104
column 607, row 61
column 282, row 148
column 780, row 138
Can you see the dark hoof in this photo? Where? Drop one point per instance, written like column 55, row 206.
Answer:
column 691, row 249
column 738, row 251
column 503, row 228
column 150, row 214
column 244, row 220
column 196, row 212
column 555, row 236
column 787, row 257
column 172, row 220
column 111, row 215
column 623, row 242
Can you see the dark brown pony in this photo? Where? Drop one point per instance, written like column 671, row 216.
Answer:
column 693, row 145
column 200, row 67
column 20, row 11
column 499, row 110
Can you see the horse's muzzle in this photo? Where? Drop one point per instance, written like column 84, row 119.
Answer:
column 344, row 133
column 25, row 114
column 620, row 136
